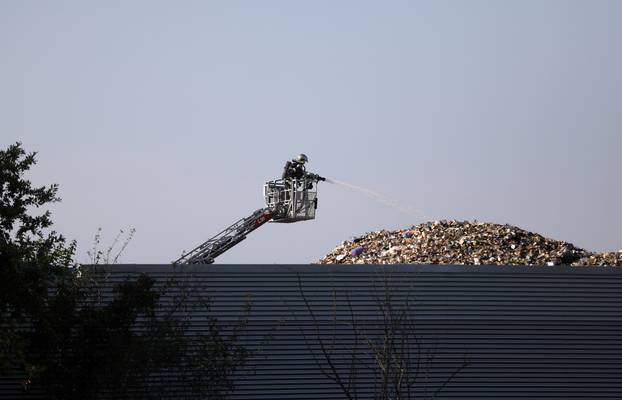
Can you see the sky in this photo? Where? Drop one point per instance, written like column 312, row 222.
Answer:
column 169, row 116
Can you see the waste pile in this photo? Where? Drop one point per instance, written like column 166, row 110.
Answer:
column 463, row 242
column 601, row 259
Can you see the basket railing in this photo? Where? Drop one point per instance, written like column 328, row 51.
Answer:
column 291, row 200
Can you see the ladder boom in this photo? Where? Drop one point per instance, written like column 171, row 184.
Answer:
column 287, row 200
column 206, row 252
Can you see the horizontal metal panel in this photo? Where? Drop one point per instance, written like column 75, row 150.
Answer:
column 527, row 332
column 524, row 332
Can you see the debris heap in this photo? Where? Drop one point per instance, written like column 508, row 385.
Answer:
column 601, row 259
column 463, row 242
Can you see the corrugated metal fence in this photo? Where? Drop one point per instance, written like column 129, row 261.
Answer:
column 465, row 332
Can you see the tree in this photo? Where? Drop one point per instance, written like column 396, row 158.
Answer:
column 31, row 256
column 384, row 352
column 75, row 344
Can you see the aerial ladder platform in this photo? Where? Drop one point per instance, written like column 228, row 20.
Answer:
column 287, row 201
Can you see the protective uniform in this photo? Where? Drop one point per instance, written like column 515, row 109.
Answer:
column 295, row 169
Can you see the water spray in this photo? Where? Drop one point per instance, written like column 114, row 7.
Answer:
column 382, row 199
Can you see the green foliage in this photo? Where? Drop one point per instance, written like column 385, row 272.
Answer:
column 31, row 257
column 75, row 342
column 101, row 349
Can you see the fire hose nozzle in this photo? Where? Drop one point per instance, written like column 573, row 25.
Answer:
column 316, row 177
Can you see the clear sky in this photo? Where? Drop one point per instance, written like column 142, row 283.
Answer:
column 169, row 116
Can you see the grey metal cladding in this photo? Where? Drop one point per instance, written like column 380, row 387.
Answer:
column 527, row 332
column 499, row 332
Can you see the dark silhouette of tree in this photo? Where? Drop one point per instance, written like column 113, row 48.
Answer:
column 67, row 338
column 387, row 348
column 31, row 256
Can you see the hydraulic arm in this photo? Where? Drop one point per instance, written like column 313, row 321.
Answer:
column 234, row 234
column 290, row 200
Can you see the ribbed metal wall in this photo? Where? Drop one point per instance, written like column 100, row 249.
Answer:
column 490, row 332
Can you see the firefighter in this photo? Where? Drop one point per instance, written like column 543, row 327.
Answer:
column 295, row 169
